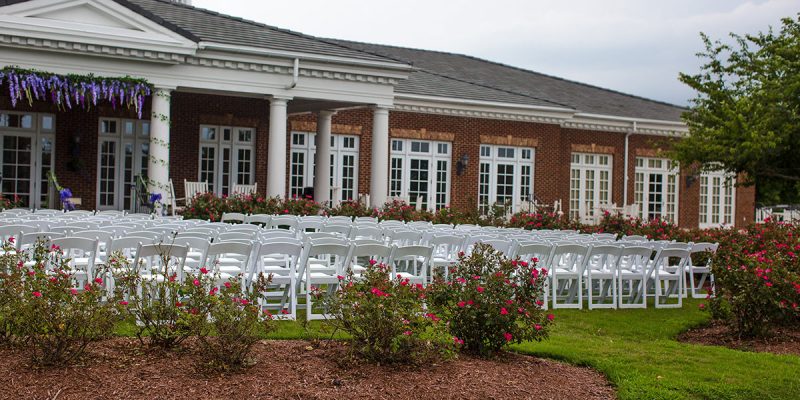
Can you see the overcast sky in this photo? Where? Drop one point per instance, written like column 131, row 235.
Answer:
column 632, row 46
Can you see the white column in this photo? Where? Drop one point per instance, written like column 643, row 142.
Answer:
column 276, row 154
column 379, row 177
column 322, row 158
column 158, row 165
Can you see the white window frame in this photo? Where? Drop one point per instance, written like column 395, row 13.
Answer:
column 138, row 137
column 399, row 178
column 717, row 199
column 342, row 148
column 647, row 168
column 588, row 191
column 41, row 128
column 223, row 181
column 491, row 157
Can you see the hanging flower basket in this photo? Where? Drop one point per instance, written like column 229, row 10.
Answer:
column 74, row 90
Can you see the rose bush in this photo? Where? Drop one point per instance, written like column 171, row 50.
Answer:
column 387, row 318
column 757, row 274
column 52, row 311
column 490, row 301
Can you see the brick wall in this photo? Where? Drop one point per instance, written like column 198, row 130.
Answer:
column 553, row 144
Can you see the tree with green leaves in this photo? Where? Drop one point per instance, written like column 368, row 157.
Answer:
column 746, row 116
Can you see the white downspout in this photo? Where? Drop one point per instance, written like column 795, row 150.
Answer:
column 295, row 74
column 625, row 187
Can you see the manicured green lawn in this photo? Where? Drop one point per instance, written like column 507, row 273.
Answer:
column 637, row 351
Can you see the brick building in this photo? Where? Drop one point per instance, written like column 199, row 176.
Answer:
column 241, row 102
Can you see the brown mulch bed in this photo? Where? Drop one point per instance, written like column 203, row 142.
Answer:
column 782, row 340
column 293, row 369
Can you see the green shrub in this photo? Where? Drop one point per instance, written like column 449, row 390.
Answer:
column 234, row 322
column 46, row 311
column 387, row 319
column 490, row 301
column 352, row 208
column 757, row 276
column 164, row 318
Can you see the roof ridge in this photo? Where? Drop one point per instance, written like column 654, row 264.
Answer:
column 254, row 23
column 518, row 69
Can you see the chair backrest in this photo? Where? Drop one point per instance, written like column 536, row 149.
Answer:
column 338, row 227
column 192, row 189
column 633, row 238
column 541, row 251
column 287, row 252
column 240, row 251
column 604, row 257
column 27, row 239
column 371, row 250
column 245, row 228
column 103, row 237
column 153, row 256
column 403, row 237
column 261, row 219
column 569, row 257
column 276, row 234
column 244, row 189
column 336, row 251
column 342, row 219
column 78, row 247
column 232, row 217
column 419, row 257
column 668, row 259
column 699, row 249
column 366, row 232
column 127, row 245
column 634, row 258
column 283, row 222
column 446, row 246
column 504, row 246
column 228, row 236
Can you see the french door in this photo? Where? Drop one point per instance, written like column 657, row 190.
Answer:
column 27, row 154
column 227, row 157
column 420, row 172
column 123, row 154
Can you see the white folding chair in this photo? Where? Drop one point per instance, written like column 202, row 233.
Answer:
column 228, row 259
column 232, row 217
column 367, row 251
column 700, row 264
column 82, row 255
column 668, row 275
column 278, row 259
column 632, row 270
column 411, row 262
column 566, row 275
column 323, row 262
column 601, row 272
column 156, row 262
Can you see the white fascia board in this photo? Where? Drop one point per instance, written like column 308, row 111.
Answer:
column 486, row 106
column 229, row 48
column 634, row 125
column 305, row 64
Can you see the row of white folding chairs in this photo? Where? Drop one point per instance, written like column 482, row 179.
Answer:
column 620, row 274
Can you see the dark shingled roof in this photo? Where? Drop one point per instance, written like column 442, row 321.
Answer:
column 200, row 24
column 439, row 73
column 585, row 98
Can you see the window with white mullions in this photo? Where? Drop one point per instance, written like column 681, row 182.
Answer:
column 123, row 153
column 717, row 199
column 505, row 176
column 227, row 157
column 590, row 183
column 420, row 172
column 656, row 189
column 344, row 165
column 27, row 154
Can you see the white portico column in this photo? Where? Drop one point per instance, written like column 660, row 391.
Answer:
column 276, row 154
column 322, row 158
column 379, row 177
column 158, row 164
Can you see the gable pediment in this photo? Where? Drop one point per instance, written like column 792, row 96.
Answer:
column 91, row 22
